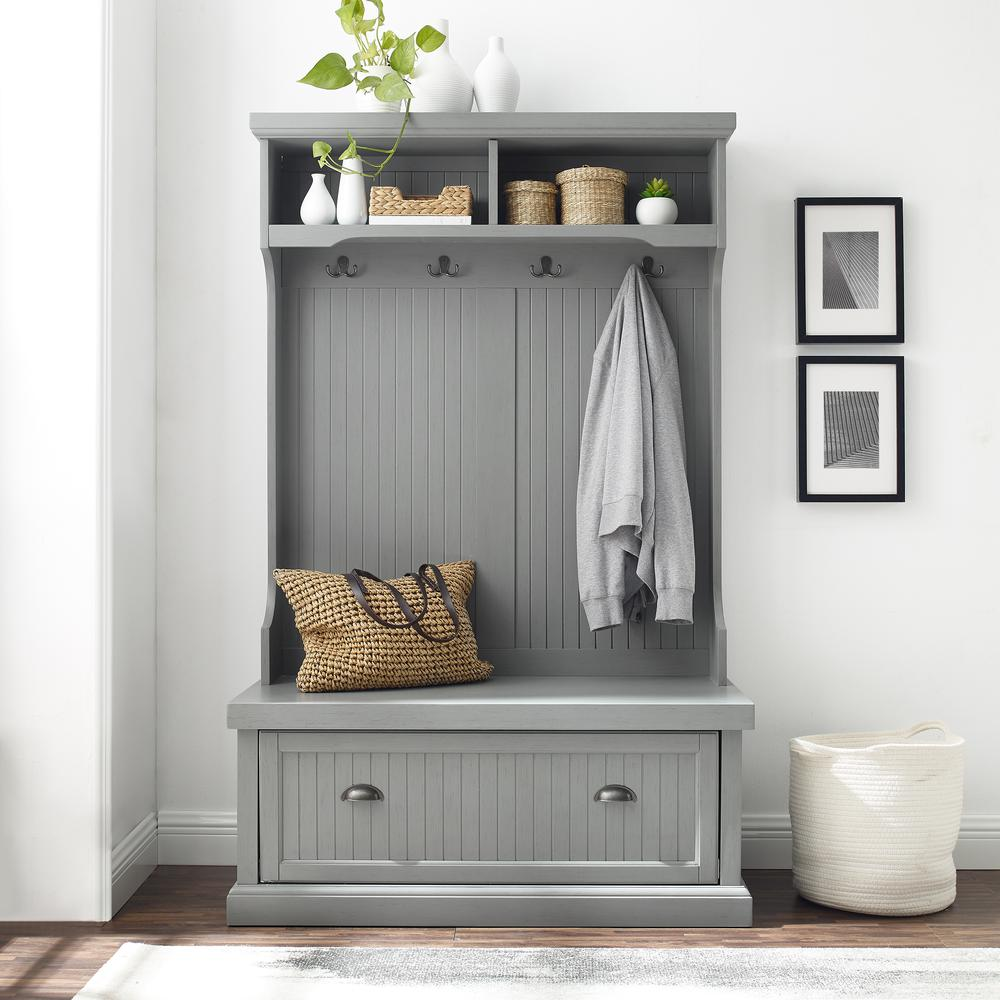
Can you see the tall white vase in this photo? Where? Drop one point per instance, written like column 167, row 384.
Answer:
column 496, row 81
column 318, row 207
column 365, row 100
column 353, row 205
column 439, row 83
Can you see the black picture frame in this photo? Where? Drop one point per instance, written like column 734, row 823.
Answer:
column 899, row 496
column 802, row 335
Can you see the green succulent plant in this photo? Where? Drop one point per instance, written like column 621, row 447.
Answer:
column 657, row 188
column 377, row 47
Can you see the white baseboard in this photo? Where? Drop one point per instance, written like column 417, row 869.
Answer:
column 767, row 842
column 133, row 861
column 192, row 838
column 197, row 838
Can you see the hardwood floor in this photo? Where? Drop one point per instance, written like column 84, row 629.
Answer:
column 179, row 905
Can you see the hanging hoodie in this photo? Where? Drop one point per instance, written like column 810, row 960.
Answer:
column 634, row 536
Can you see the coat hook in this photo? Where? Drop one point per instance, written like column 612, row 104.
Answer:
column 546, row 271
column 345, row 269
column 647, row 268
column 444, row 269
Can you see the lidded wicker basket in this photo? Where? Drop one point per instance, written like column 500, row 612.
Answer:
column 531, row 203
column 592, row 196
column 455, row 199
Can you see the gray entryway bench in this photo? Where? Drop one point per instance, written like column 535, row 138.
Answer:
column 415, row 415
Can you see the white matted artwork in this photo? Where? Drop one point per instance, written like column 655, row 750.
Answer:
column 849, row 270
column 851, row 428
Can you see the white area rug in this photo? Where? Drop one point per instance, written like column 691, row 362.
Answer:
column 144, row 972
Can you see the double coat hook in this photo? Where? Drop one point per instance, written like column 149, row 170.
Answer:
column 345, row 269
column 647, row 268
column 444, row 269
column 546, row 271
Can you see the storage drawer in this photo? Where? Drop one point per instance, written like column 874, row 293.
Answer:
column 489, row 807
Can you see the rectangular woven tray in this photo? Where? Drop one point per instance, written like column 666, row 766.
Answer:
column 455, row 199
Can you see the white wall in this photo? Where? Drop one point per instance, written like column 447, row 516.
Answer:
column 840, row 616
column 132, row 443
column 52, row 682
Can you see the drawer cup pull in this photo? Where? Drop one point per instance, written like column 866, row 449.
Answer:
column 615, row 793
column 361, row 793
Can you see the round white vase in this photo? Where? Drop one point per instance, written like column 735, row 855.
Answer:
column 365, row 100
column 351, row 198
column 496, row 82
column 439, row 83
column 318, row 207
column 656, row 212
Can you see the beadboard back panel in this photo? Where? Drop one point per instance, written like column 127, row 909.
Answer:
column 440, row 419
column 500, row 806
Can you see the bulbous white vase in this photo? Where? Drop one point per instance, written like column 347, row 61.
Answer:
column 353, row 204
column 656, row 212
column 365, row 100
column 318, row 207
column 439, row 83
column 496, row 82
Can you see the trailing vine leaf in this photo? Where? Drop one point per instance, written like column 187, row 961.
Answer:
column 368, row 82
column 404, row 55
column 429, row 38
column 351, row 11
column 352, row 149
column 330, row 73
column 389, row 40
column 321, row 152
column 392, row 87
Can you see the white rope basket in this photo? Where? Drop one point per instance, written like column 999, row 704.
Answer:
column 875, row 819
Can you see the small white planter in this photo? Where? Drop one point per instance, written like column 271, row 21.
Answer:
column 656, row 212
column 318, row 207
column 365, row 100
column 875, row 819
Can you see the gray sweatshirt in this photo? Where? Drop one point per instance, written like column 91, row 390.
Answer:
column 634, row 537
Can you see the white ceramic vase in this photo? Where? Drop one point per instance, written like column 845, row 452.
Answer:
column 496, row 82
column 351, row 199
column 656, row 212
column 439, row 83
column 365, row 100
column 318, row 207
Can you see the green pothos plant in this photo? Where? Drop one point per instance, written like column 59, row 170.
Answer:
column 382, row 64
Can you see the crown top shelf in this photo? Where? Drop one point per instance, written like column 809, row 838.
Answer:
column 693, row 132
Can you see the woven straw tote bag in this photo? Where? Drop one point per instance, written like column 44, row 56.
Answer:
column 875, row 819
column 360, row 632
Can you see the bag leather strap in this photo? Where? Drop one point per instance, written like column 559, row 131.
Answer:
column 435, row 582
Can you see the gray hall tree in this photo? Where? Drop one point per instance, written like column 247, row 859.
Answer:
column 411, row 417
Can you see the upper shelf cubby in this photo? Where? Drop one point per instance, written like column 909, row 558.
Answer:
column 485, row 151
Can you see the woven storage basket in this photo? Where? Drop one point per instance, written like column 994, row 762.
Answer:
column 455, row 199
column 875, row 819
column 346, row 650
column 592, row 196
column 531, row 203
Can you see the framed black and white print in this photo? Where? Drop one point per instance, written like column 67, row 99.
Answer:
column 851, row 442
column 849, row 270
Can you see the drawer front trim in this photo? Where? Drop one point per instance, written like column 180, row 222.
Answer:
column 489, row 807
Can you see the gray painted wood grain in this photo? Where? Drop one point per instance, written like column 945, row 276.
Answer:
column 456, row 434
column 413, row 417
column 536, row 703
column 538, row 781
column 432, row 905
